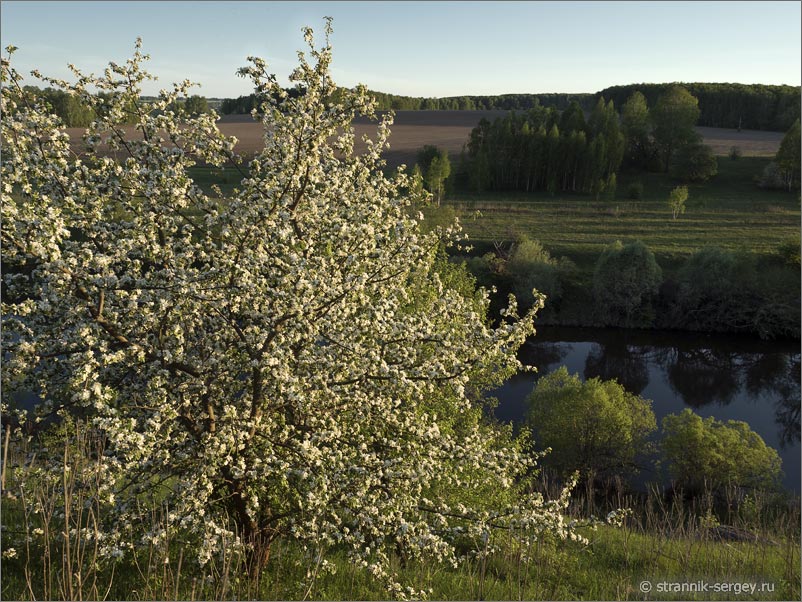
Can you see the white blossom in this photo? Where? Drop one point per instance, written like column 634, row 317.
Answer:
column 288, row 359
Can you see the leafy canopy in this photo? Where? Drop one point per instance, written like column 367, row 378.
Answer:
column 674, row 116
column 705, row 451
column 789, row 156
column 597, row 426
column 625, row 281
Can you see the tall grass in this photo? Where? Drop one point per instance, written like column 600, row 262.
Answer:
column 53, row 521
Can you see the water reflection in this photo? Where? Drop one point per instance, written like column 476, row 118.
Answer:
column 541, row 354
column 702, row 376
column 620, row 361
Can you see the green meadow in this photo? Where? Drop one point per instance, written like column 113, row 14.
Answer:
column 728, row 211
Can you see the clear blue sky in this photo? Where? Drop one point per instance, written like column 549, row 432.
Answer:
column 422, row 48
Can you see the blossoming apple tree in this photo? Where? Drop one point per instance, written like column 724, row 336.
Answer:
column 288, row 361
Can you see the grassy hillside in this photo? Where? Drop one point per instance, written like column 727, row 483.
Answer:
column 613, row 565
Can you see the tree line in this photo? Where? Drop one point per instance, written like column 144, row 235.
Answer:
column 561, row 151
column 501, row 102
column 741, row 106
column 755, row 106
column 714, row 290
column 724, row 105
column 76, row 112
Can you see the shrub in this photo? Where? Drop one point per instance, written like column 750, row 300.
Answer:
column 635, row 191
column 694, row 163
column 596, row 427
column 530, row 266
column 715, row 291
column 771, row 178
column 625, row 282
column 701, row 452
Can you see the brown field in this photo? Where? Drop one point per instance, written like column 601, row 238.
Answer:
column 450, row 130
column 753, row 143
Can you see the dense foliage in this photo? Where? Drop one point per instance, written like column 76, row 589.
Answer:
column 694, row 163
column 296, row 362
column 434, row 167
column 789, row 157
column 544, row 149
column 721, row 291
column 705, row 452
column 531, row 267
column 673, row 117
column 625, row 283
column 71, row 109
column 395, row 102
column 599, row 427
column 712, row 290
column 741, row 106
column 74, row 111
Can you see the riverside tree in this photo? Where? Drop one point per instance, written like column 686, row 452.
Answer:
column 704, row 451
column 601, row 428
column 626, row 279
column 286, row 362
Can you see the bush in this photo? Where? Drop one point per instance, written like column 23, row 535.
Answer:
column 596, row 427
column 721, row 291
column 635, row 191
column 625, row 282
column 771, row 178
column 532, row 267
column 715, row 291
column 701, row 452
column 694, row 163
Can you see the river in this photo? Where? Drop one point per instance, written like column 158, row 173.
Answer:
column 727, row 377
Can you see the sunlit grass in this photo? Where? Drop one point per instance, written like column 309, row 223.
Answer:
column 729, row 211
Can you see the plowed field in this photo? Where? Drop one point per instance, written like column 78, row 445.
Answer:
column 450, row 130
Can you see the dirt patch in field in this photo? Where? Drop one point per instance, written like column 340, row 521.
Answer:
column 450, row 130
column 411, row 130
column 752, row 143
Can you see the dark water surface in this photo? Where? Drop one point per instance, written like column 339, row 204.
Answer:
column 727, row 377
